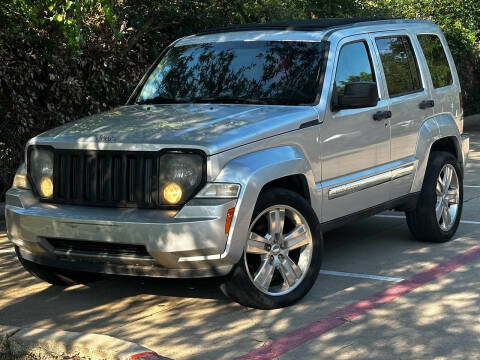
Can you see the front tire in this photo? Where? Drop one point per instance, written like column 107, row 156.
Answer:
column 439, row 207
column 282, row 256
column 55, row 276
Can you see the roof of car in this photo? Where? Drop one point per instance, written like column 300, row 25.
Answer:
column 305, row 25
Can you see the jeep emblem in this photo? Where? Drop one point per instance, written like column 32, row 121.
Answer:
column 105, row 138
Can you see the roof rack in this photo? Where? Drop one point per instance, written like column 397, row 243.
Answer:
column 299, row 25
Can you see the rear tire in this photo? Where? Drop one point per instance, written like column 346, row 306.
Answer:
column 439, row 207
column 56, row 276
column 280, row 263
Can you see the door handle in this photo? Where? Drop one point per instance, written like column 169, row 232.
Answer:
column 380, row 115
column 425, row 104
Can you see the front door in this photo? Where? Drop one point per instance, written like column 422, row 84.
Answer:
column 355, row 143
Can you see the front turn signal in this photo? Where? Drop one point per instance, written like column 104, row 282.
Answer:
column 228, row 220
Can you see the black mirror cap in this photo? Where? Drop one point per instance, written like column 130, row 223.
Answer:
column 357, row 95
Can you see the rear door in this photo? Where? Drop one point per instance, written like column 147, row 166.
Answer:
column 409, row 100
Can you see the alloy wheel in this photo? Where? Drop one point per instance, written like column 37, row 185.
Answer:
column 448, row 197
column 279, row 250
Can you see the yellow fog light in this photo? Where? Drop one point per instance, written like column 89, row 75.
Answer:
column 46, row 187
column 172, row 192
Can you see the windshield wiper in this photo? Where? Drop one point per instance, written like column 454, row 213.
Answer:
column 226, row 100
column 161, row 100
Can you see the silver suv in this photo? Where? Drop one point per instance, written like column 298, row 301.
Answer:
column 239, row 148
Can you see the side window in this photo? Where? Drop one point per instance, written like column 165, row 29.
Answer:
column 436, row 60
column 399, row 65
column 353, row 66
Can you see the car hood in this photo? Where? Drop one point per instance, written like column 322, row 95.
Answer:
column 212, row 128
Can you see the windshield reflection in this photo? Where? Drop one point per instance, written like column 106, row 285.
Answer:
column 259, row 72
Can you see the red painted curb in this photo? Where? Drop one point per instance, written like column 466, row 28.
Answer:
column 148, row 355
column 317, row 328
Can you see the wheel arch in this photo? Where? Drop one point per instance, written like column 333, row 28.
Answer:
column 296, row 183
column 439, row 133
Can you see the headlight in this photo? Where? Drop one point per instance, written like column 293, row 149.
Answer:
column 181, row 175
column 20, row 180
column 219, row 190
column 40, row 167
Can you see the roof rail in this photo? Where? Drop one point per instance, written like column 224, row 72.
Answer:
column 299, row 25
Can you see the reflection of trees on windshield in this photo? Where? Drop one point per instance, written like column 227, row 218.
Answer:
column 276, row 72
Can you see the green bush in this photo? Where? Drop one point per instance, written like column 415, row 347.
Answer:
column 63, row 59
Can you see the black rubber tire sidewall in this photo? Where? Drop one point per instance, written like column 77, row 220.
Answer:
column 238, row 285
column 422, row 222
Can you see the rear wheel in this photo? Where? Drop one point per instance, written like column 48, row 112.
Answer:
column 439, row 208
column 56, row 276
column 282, row 255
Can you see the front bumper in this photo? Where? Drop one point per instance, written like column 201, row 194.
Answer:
column 188, row 243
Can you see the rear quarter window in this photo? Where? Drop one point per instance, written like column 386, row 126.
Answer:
column 436, row 60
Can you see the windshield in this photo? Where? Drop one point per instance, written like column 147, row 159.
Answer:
column 257, row 72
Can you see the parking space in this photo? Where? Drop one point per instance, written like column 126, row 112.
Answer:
column 193, row 320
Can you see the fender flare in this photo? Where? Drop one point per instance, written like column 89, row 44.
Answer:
column 432, row 130
column 253, row 171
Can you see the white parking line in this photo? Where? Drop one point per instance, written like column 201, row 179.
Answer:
column 470, row 222
column 361, row 276
column 403, row 217
column 472, row 186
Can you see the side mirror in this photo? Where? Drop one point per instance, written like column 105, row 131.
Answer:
column 357, row 95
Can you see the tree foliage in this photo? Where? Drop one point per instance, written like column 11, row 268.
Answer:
column 63, row 59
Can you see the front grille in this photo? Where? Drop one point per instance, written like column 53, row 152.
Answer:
column 106, row 178
column 98, row 248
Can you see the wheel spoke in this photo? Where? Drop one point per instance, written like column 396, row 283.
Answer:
column 452, row 196
column 439, row 187
column 447, row 178
column 296, row 238
column 264, row 275
column 276, row 219
column 446, row 217
column 439, row 209
column 256, row 244
column 289, row 270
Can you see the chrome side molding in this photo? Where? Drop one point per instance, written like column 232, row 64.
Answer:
column 370, row 181
column 402, row 171
column 358, row 185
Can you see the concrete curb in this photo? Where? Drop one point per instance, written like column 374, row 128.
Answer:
column 43, row 344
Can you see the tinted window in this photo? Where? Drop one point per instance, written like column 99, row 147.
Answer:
column 271, row 72
column 436, row 60
column 353, row 66
column 399, row 65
